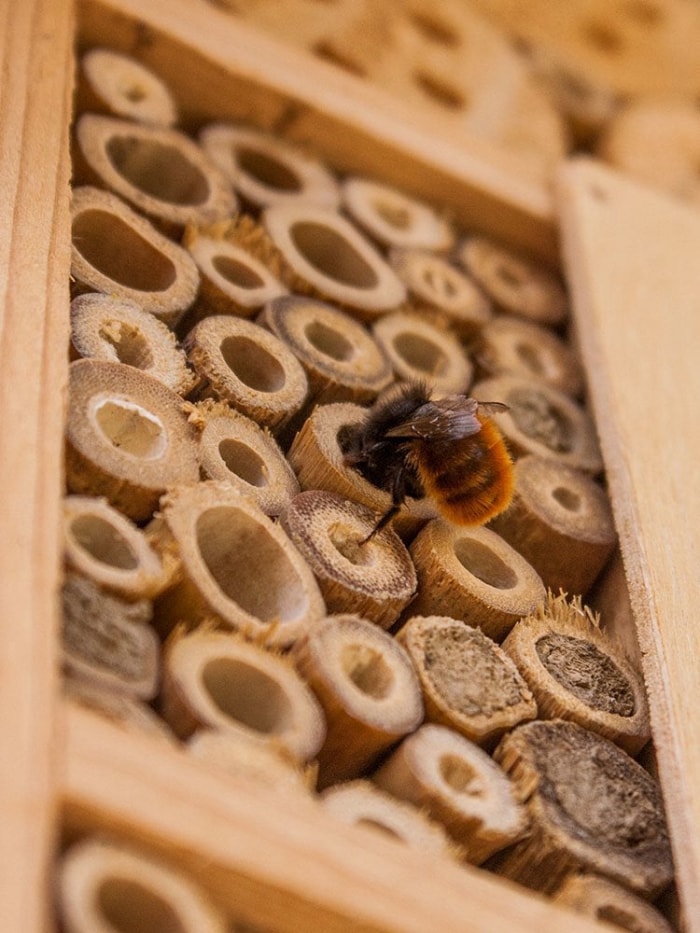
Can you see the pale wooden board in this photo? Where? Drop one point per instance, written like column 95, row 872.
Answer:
column 234, row 71
column 36, row 66
column 279, row 861
column 633, row 261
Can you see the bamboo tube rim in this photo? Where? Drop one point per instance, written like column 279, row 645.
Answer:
column 125, row 87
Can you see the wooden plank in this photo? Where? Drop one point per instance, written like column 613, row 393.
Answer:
column 632, row 259
column 236, row 72
column 279, row 861
column 36, row 67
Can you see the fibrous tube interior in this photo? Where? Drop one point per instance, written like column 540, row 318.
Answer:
column 367, row 669
column 332, row 255
column 249, row 566
column 329, row 341
column 244, row 462
column 158, row 169
column 130, row 345
column 268, row 170
column 485, row 564
column 247, row 694
column 130, row 907
column 131, row 428
column 103, row 542
column 459, row 775
column 420, row 353
column 116, row 250
column 236, row 272
column 252, row 364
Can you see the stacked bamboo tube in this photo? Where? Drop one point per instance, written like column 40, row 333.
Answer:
column 217, row 535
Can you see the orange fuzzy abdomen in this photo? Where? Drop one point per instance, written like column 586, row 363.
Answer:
column 470, row 479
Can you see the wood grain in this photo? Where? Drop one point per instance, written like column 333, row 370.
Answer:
column 632, row 259
column 279, row 861
column 35, row 63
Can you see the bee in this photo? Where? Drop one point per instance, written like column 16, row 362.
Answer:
column 448, row 449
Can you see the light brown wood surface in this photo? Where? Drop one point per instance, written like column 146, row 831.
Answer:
column 236, row 72
column 35, row 64
column 632, row 259
column 279, row 861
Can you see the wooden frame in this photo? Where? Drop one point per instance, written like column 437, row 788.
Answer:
column 283, row 868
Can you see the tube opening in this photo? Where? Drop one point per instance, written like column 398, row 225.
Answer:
column 103, row 542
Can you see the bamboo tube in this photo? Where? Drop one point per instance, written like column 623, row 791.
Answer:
column 117, row 84
column 375, row 579
column 474, row 575
column 605, row 901
column 236, row 450
column 326, row 257
column 542, row 420
column 343, row 363
column 516, row 285
column 245, row 365
column 421, row 351
column 118, row 252
column 104, row 327
column 317, row 458
column 591, row 807
column 265, row 169
column 267, row 765
column 103, row 885
column 237, row 566
column 232, row 281
column 159, row 171
column 560, row 520
column 457, row 784
column 469, row 684
column 108, row 640
column 657, row 141
column 367, row 687
column 510, row 346
column 105, row 546
column 215, row 680
column 439, row 289
column 362, row 803
column 127, row 437
column 577, row 673
column 394, row 218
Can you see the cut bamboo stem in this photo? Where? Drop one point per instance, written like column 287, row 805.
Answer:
column 421, row 351
column 232, row 281
column 591, row 808
column 469, row 684
column 245, row 365
column 102, row 544
column 516, row 285
column 576, row 673
column 104, row 885
column 160, row 172
column 214, row 680
column 265, row 169
column 437, row 288
column 510, row 346
column 117, row 84
column 127, row 437
column 234, row 449
column 120, row 253
column 603, row 900
column 362, row 803
column 394, row 218
column 542, row 420
column 237, row 566
column 375, row 579
column 474, row 575
column 343, row 363
column 317, row 457
column 560, row 520
column 367, row 688
column 107, row 640
column 104, row 327
column 328, row 258
column 459, row 785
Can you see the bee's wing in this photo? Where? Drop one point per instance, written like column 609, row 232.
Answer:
column 446, row 418
column 492, row 408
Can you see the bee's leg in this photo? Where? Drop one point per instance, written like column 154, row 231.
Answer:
column 398, row 497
